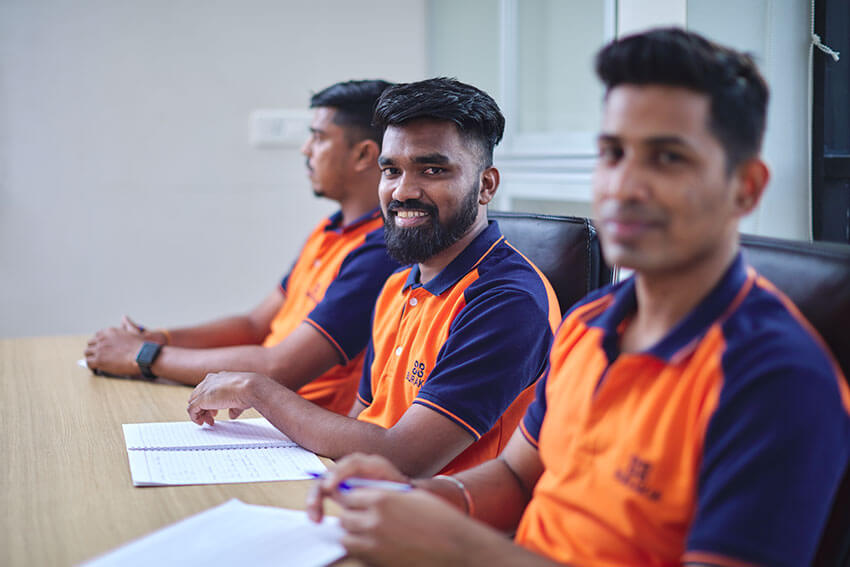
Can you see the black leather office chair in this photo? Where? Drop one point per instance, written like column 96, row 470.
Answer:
column 565, row 249
column 816, row 276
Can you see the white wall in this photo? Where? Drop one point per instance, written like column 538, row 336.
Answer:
column 776, row 32
column 127, row 183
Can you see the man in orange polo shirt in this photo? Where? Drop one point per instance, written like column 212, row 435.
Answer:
column 689, row 414
column 311, row 331
column 460, row 337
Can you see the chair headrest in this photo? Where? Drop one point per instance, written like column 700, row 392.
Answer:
column 816, row 277
column 565, row 249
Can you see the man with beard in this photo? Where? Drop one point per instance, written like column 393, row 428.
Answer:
column 310, row 333
column 460, row 337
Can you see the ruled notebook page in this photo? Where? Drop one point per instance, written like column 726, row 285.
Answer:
column 255, row 432
column 244, row 450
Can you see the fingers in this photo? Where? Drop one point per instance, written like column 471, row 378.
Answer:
column 196, row 410
column 363, row 466
column 315, row 498
column 215, row 392
column 202, row 416
column 129, row 325
column 360, row 545
column 356, row 465
column 328, row 486
column 358, row 521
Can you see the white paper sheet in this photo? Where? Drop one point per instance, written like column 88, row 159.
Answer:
column 234, row 533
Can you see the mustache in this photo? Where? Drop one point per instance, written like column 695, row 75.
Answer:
column 307, row 163
column 626, row 211
column 411, row 205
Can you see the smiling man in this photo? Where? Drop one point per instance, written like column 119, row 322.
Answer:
column 460, row 337
column 689, row 414
column 311, row 331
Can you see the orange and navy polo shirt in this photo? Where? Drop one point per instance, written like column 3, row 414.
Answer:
column 469, row 344
column 332, row 286
column 721, row 444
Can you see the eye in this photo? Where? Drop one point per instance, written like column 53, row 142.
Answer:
column 610, row 153
column 667, row 157
column 432, row 170
column 389, row 171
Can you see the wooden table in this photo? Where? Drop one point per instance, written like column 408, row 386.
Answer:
column 67, row 495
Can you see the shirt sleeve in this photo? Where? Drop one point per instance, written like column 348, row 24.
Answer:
column 285, row 280
column 364, row 391
column 533, row 419
column 344, row 313
column 775, row 449
column 496, row 347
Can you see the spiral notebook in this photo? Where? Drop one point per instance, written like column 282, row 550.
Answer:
column 243, row 450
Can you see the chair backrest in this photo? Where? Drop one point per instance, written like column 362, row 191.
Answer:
column 565, row 249
column 816, row 277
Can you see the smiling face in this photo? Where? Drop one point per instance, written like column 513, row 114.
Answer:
column 329, row 155
column 430, row 189
column 662, row 198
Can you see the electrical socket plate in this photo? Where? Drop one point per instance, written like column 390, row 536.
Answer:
column 279, row 127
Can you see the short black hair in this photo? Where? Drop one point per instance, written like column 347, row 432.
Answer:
column 473, row 111
column 737, row 92
column 354, row 102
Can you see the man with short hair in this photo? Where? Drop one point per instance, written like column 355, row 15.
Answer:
column 311, row 331
column 449, row 371
column 689, row 413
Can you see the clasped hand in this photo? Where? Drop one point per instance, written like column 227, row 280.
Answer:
column 114, row 349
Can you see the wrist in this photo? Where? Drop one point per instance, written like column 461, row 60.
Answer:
column 145, row 358
column 468, row 505
column 163, row 336
column 255, row 389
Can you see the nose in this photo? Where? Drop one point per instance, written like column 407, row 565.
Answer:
column 305, row 148
column 406, row 188
column 624, row 180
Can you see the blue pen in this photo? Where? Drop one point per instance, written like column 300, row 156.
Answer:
column 355, row 482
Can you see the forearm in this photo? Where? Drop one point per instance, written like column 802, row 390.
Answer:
column 498, row 498
column 191, row 365
column 313, row 427
column 228, row 331
column 478, row 545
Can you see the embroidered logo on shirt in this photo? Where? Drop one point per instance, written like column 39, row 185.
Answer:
column 634, row 476
column 416, row 375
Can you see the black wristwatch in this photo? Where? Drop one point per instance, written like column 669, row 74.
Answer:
column 147, row 354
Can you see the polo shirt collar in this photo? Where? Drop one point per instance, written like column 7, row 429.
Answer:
column 461, row 265
column 335, row 221
column 686, row 334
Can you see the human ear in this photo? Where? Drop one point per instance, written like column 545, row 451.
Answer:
column 365, row 153
column 752, row 177
column 489, row 184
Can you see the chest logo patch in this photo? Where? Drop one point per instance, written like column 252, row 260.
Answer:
column 634, row 476
column 416, row 374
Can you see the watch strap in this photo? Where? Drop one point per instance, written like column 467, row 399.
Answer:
column 146, row 357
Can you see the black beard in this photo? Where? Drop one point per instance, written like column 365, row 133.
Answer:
column 417, row 244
